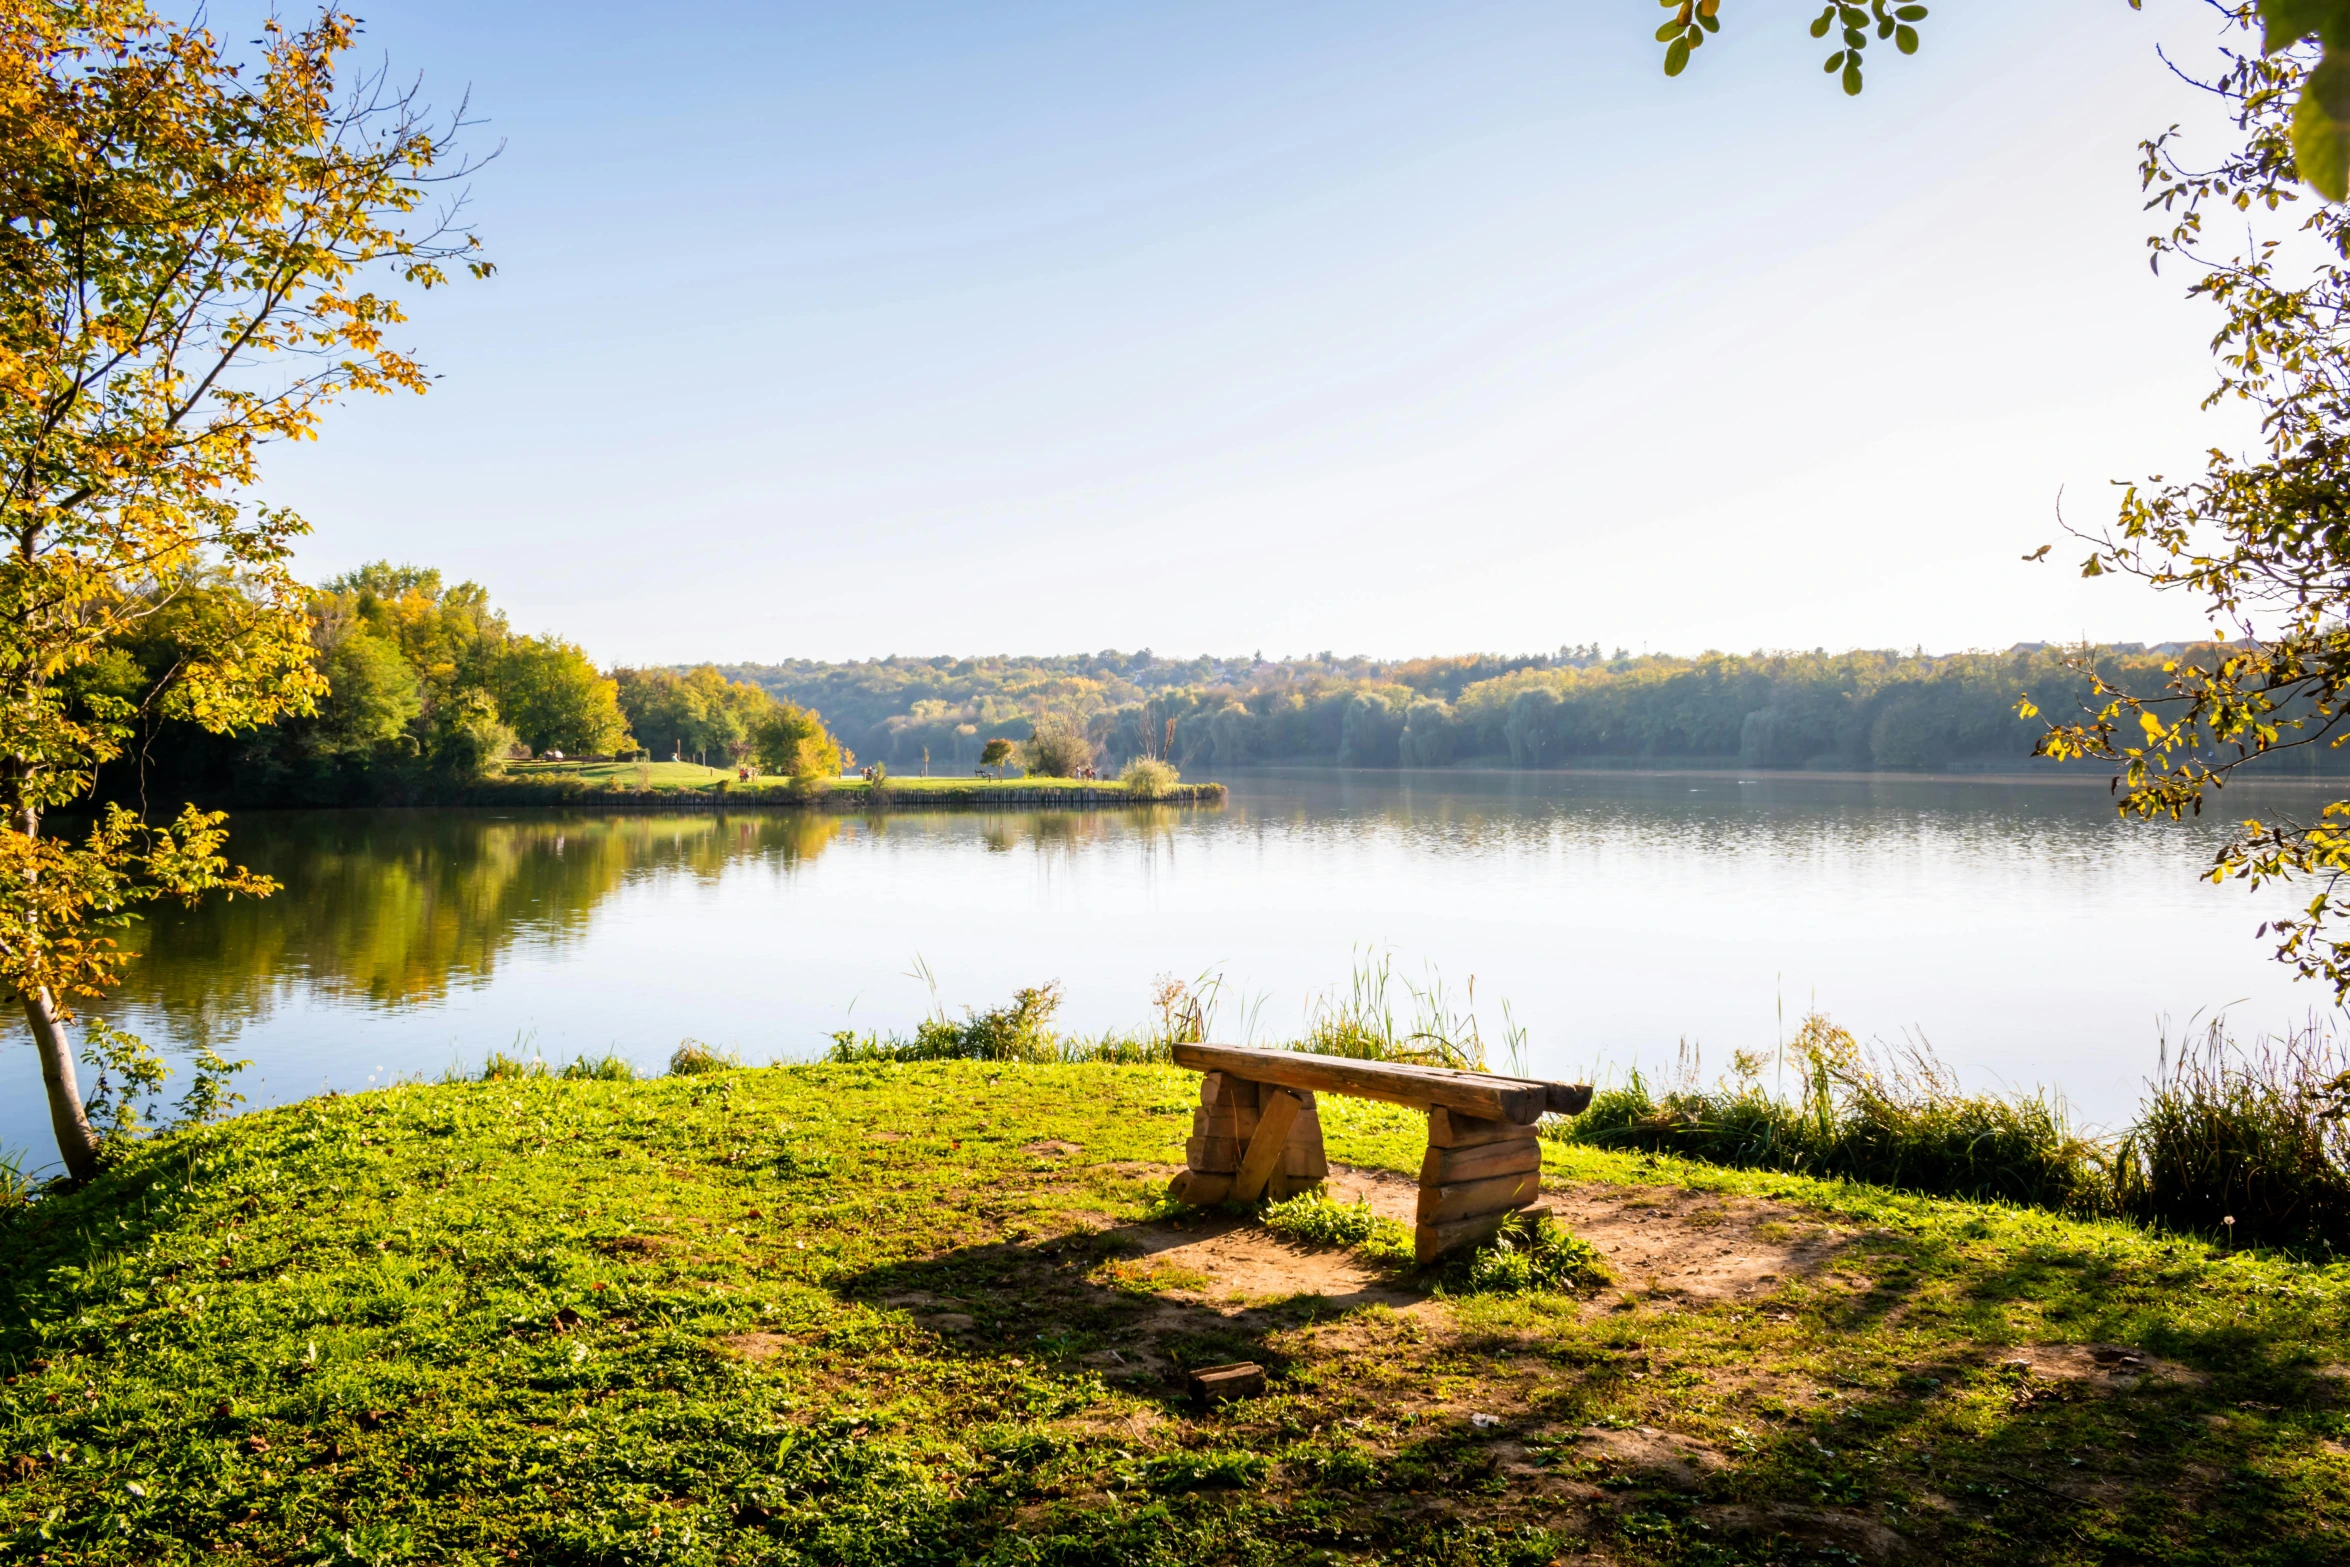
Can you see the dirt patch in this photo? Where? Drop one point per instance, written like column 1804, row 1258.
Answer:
column 1247, row 1265
column 2113, row 1366
column 635, row 1245
column 887, row 1137
column 1854, row 1532
column 1701, row 1246
column 1678, row 1461
column 753, row 1347
column 1050, row 1148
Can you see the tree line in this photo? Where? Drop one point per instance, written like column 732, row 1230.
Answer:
column 1854, row 711
column 423, row 688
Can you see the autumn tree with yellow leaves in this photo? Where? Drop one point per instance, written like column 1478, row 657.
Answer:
column 191, row 253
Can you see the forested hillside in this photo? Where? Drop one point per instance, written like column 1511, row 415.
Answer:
column 1575, row 707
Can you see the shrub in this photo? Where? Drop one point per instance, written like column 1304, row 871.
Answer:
column 1148, row 778
column 1533, row 1254
column 692, row 1058
column 1055, row 748
column 2262, row 1138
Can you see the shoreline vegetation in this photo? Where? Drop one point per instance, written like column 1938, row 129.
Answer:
column 2238, row 1145
column 586, row 787
column 429, row 697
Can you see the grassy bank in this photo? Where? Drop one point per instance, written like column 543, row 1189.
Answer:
column 685, row 783
column 898, row 1313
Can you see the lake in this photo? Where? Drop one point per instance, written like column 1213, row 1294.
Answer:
column 2015, row 925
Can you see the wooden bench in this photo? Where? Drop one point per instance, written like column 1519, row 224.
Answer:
column 1256, row 1134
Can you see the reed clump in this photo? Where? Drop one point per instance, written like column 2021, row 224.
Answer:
column 1888, row 1118
column 1019, row 1031
column 692, row 1058
column 2251, row 1146
column 1366, row 1024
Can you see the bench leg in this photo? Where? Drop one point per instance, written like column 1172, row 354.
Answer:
column 1223, row 1132
column 1473, row 1177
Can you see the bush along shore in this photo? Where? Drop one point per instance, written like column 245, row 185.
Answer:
column 940, row 1312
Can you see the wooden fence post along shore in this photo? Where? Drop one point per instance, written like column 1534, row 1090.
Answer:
column 1255, row 1134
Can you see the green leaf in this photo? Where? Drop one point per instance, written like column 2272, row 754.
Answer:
column 1667, row 31
column 1853, row 15
column 2321, row 129
column 1819, row 23
column 1856, row 38
column 1909, row 13
column 1710, row 22
column 1835, row 63
column 1677, row 57
column 1905, row 39
column 1852, row 76
column 1885, row 26
column 2284, row 23
column 2090, row 568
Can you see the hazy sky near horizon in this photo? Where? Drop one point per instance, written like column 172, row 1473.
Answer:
column 838, row 331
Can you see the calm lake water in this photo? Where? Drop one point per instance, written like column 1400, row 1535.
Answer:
column 2016, row 926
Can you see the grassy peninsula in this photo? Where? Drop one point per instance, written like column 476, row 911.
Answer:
column 934, row 1312
column 603, row 782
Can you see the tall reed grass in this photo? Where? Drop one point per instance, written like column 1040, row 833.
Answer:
column 1892, row 1118
column 2251, row 1145
column 1365, row 1024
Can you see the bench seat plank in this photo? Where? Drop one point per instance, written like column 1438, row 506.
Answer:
column 1518, row 1100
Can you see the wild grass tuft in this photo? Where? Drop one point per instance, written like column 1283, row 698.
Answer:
column 1533, row 1254
column 1893, row 1119
column 2248, row 1146
column 692, row 1058
column 16, row 1188
column 503, row 1068
column 1021, row 1031
column 605, row 1068
column 1314, row 1219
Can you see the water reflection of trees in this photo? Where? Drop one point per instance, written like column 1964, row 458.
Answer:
column 395, row 908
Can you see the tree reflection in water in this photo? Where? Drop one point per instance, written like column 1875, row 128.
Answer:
column 394, row 908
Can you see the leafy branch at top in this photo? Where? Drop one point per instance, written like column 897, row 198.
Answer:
column 1693, row 19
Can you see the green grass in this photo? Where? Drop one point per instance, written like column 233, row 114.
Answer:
column 681, row 777
column 865, row 1313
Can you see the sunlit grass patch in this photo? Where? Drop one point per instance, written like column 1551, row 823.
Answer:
column 1315, row 1219
column 1534, row 1254
column 1150, row 1276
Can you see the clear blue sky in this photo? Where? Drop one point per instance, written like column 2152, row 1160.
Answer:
column 843, row 330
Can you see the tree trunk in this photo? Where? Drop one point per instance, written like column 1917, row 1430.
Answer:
column 75, row 1140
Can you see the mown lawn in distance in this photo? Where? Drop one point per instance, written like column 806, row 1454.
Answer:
column 595, row 1322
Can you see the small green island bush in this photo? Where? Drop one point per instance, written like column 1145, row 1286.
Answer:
column 1148, row 778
